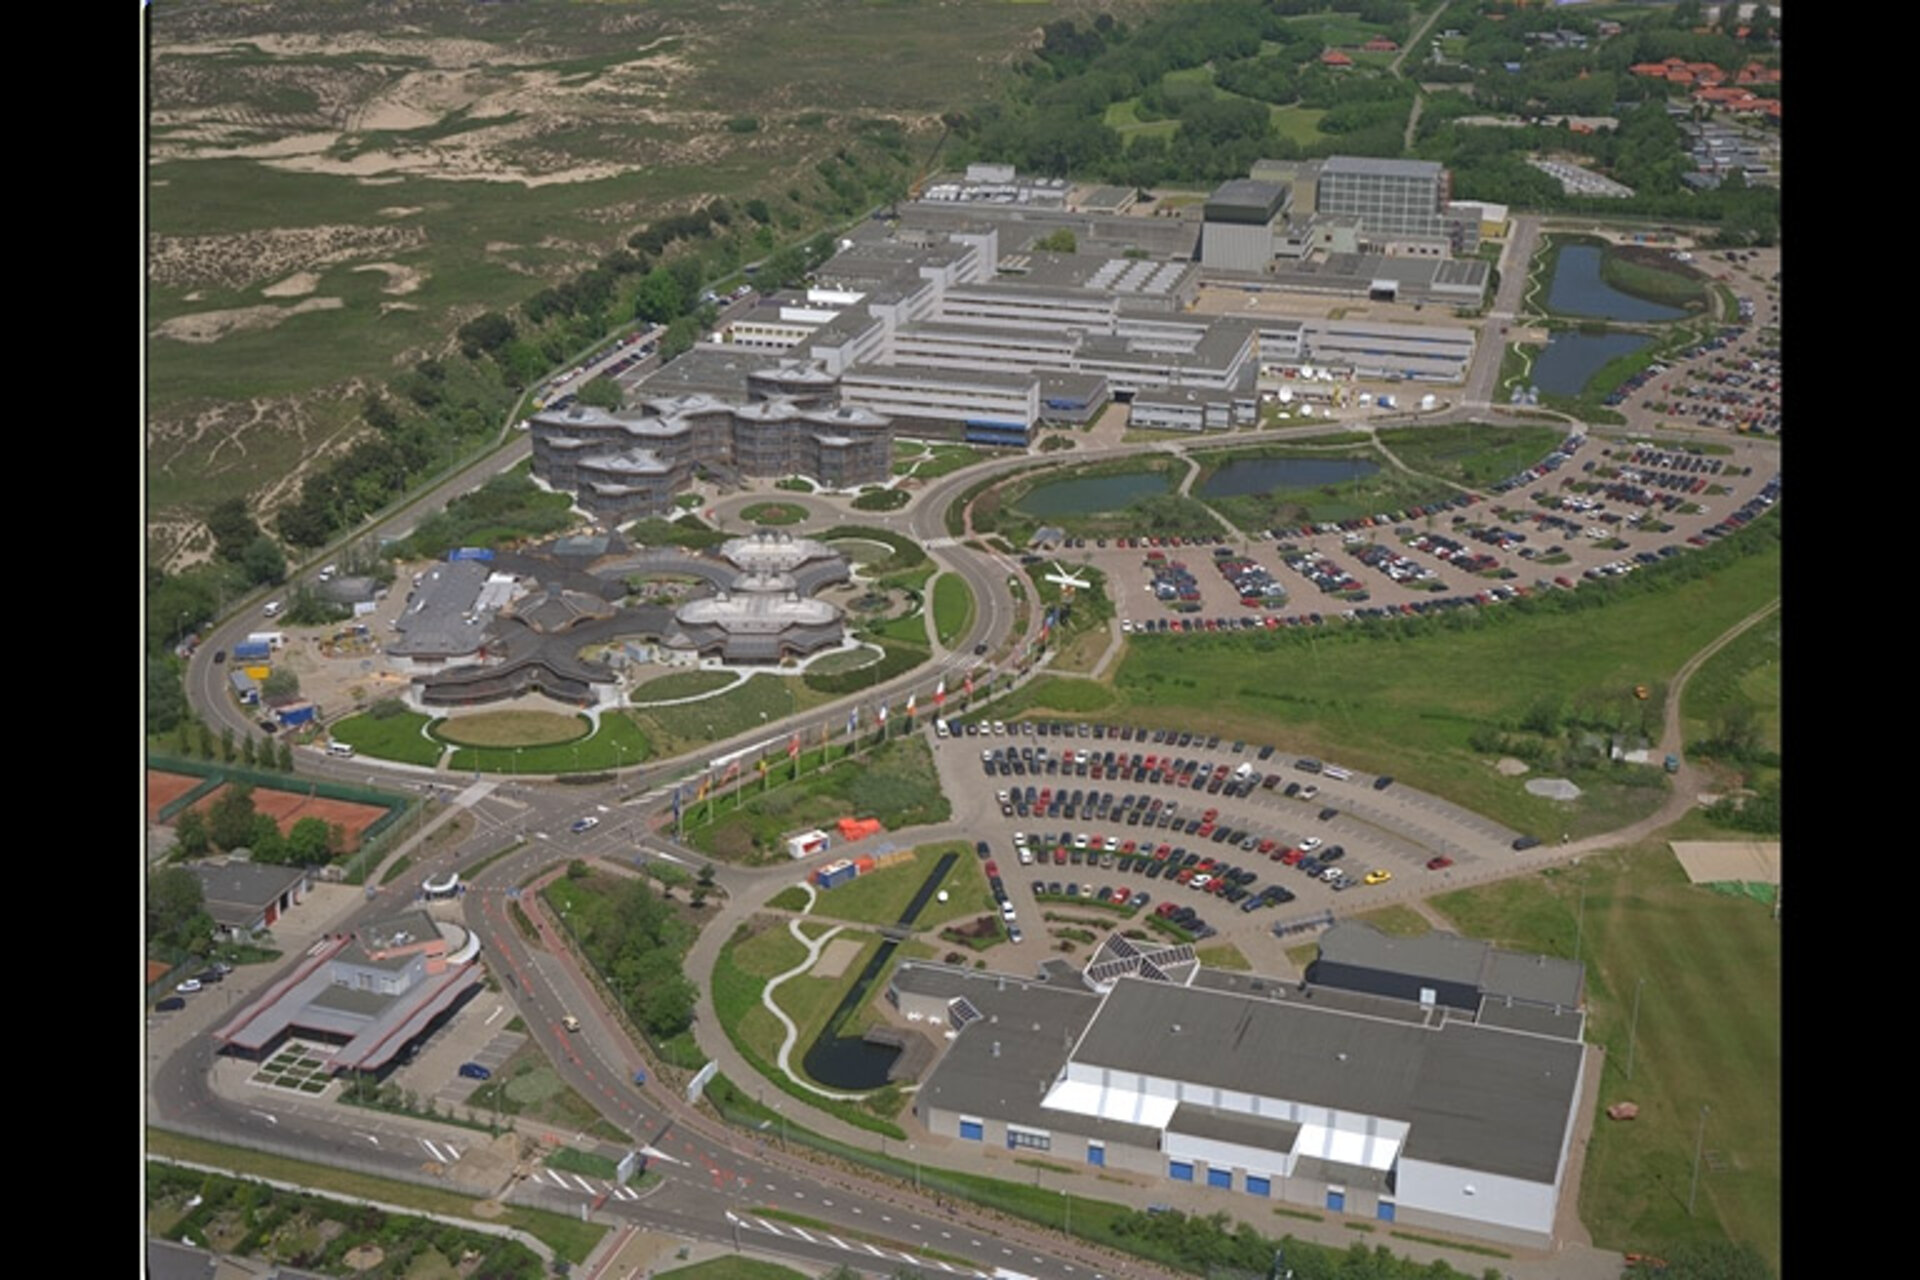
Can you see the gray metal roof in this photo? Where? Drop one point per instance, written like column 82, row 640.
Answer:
column 243, row 888
column 1233, row 1126
column 1374, row 166
column 1475, row 1097
column 1447, row 957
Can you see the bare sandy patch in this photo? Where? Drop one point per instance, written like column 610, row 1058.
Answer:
column 385, row 307
column 242, row 259
column 211, row 326
column 298, row 285
column 400, row 280
column 1510, row 767
column 1709, row 861
column 402, row 210
column 834, row 958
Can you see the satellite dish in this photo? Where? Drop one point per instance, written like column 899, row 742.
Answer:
column 1286, row 395
column 1306, row 411
column 1306, row 371
column 941, row 896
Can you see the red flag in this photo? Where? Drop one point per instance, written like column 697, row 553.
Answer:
column 793, row 746
column 969, row 684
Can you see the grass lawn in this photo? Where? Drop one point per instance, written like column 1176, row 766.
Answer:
column 619, row 741
column 728, row 1267
column 401, row 737
column 1409, row 706
column 1742, row 679
column 894, row 782
column 1397, row 921
column 881, row 895
column 774, row 513
column 1302, row 124
column 673, row 729
column 1223, row 956
column 682, row 684
column 568, row 1237
column 952, row 607
column 1709, row 1034
column 947, row 458
column 1472, row 454
column 513, row 729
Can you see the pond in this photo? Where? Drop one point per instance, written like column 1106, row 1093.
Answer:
column 1088, row 495
column 1578, row 290
column 1570, row 359
column 1267, row 475
column 853, row 1062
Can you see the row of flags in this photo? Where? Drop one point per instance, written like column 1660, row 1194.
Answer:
column 879, row 714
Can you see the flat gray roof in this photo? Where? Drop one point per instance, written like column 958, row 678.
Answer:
column 1448, row 957
column 1475, row 1097
column 245, row 888
column 1373, row 166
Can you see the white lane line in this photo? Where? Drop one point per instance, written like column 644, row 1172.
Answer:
column 804, row 1236
column 584, row 1184
column 433, row 1151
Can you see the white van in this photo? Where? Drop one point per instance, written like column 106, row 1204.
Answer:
column 1335, row 772
column 939, row 728
column 340, row 750
column 272, row 608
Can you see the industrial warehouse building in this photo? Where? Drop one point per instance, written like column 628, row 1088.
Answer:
column 1453, row 1109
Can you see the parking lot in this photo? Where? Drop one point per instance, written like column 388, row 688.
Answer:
column 1190, row 837
column 1588, row 509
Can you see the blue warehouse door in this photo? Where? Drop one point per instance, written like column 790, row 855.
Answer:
column 1336, row 1200
column 1258, row 1186
column 1180, row 1171
column 1220, row 1178
column 1385, row 1211
column 1096, row 1154
column 972, row 1129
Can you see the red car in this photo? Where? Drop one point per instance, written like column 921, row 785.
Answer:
column 1440, row 863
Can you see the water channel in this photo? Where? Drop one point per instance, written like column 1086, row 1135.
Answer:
column 851, row 1062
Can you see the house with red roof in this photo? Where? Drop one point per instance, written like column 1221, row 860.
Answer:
column 1335, row 58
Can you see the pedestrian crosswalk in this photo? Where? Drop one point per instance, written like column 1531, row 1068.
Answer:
column 788, row 1231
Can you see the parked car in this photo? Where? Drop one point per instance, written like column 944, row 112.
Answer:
column 584, row 824
column 474, row 1071
column 1440, row 863
column 188, row 987
column 171, row 1003
column 1379, row 876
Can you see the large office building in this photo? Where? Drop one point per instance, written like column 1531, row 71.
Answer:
column 1436, row 1086
column 626, row 466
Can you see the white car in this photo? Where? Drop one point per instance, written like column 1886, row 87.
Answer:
column 1026, row 856
column 1311, row 843
column 585, row 824
column 188, row 987
column 1006, row 910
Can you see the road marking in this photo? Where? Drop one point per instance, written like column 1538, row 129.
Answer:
column 268, row 1116
column 803, row 1235
column 435, row 1151
column 369, row 1137
column 870, row 1249
column 838, row 1243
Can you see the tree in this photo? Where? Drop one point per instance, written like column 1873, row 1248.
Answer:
column 603, row 392
column 230, row 816
column 166, row 699
column 286, row 757
column 246, row 751
column 176, row 907
column 190, row 833
column 263, row 562
column 310, row 842
column 485, row 334
column 206, row 742
column 281, row 682
column 226, row 744
column 266, row 842
column 232, row 527
column 1061, row 241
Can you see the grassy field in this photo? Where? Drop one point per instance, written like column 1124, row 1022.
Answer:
column 894, row 783
column 1709, row 1034
column 1397, row 921
column 1743, row 678
column 618, row 742
column 401, row 737
column 674, row 729
column 1409, row 707
column 881, row 895
column 1471, row 454
column 732, row 1268
column 774, row 513
column 682, row 684
column 952, row 607
column 513, row 729
column 568, row 1237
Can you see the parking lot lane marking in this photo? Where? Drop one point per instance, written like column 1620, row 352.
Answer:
column 433, row 1150
column 764, row 1225
column 838, row 1243
column 804, row 1236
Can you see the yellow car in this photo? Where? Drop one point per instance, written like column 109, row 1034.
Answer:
column 1379, row 877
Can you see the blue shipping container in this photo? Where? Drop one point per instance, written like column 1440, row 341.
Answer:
column 251, row 649
column 296, row 715
column 470, row 553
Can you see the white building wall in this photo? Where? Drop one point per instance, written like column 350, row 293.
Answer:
column 1228, row 1155
column 1483, row 1197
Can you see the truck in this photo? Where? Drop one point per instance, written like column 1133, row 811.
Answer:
column 272, row 639
column 1673, row 763
column 251, row 650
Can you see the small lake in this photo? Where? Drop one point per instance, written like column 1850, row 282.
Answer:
column 1570, row 359
column 1089, row 495
column 1578, row 290
column 1267, row 475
